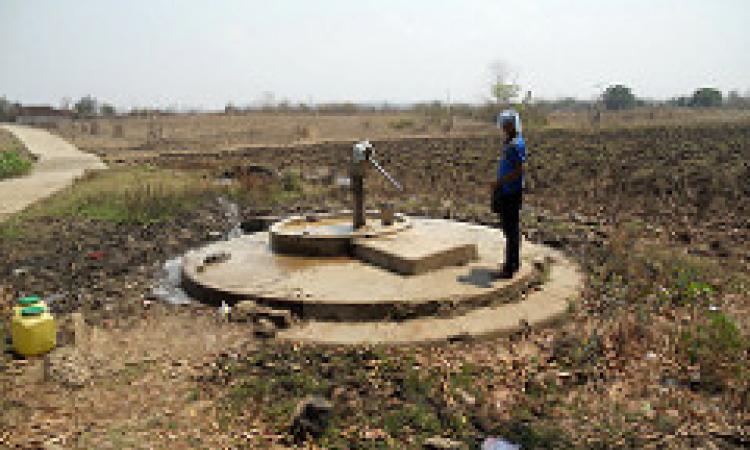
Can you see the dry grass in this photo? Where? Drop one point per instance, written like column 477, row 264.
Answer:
column 646, row 116
column 213, row 132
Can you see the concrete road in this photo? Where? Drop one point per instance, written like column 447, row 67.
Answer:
column 59, row 164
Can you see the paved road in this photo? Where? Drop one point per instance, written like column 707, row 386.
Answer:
column 59, row 164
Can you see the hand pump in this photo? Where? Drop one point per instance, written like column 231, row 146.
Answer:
column 362, row 152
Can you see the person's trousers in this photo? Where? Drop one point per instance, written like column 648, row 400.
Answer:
column 510, row 216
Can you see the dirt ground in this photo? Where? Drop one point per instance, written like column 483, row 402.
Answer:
column 646, row 116
column 653, row 356
column 136, row 385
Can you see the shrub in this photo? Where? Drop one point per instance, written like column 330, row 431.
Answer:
column 402, row 124
column 291, row 181
column 13, row 164
column 717, row 347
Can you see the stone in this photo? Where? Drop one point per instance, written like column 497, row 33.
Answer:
column 250, row 311
column 281, row 318
column 311, row 417
column 264, row 328
column 441, row 443
column 244, row 311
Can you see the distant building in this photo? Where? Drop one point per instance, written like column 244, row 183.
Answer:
column 42, row 115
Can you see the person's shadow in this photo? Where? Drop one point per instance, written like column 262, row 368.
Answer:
column 478, row 276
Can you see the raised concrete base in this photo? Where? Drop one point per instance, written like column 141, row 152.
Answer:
column 537, row 308
column 326, row 235
column 344, row 300
column 417, row 251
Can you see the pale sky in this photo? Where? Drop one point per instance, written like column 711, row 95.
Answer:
column 207, row 53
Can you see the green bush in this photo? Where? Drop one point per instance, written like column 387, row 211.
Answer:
column 291, row 181
column 687, row 288
column 715, row 344
column 13, row 164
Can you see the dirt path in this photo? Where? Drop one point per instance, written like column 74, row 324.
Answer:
column 59, row 164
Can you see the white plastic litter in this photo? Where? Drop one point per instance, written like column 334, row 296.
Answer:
column 224, row 310
column 499, row 444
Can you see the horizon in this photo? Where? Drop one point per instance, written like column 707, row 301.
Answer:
column 154, row 55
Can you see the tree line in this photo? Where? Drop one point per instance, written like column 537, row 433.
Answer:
column 503, row 94
column 618, row 96
column 86, row 107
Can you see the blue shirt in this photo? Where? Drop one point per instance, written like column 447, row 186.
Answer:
column 513, row 153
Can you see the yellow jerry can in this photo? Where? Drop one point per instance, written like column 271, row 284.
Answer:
column 33, row 331
column 23, row 302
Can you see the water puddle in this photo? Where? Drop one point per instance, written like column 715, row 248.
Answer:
column 167, row 286
column 232, row 214
column 168, row 283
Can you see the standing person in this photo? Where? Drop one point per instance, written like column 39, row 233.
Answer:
column 508, row 188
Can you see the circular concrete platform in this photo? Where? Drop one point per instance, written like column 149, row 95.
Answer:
column 348, row 289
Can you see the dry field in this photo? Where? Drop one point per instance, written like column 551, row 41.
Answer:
column 646, row 116
column 127, row 136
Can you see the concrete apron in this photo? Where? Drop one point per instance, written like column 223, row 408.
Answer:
column 344, row 300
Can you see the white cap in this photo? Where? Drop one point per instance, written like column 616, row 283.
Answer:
column 510, row 115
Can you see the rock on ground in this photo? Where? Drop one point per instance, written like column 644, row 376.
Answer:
column 311, row 417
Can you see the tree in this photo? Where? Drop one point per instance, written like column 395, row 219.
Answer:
column 502, row 89
column 107, row 109
column 736, row 100
column 7, row 111
column 86, row 106
column 618, row 97
column 706, row 97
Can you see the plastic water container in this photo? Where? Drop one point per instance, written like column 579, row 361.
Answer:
column 33, row 331
column 23, row 302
